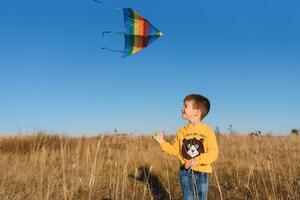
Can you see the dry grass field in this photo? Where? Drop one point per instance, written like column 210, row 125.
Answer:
column 132, row 167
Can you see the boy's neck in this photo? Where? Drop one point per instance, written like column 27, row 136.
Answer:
column 195, row 121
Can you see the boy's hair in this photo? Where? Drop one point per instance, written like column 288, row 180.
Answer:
column 200, row 102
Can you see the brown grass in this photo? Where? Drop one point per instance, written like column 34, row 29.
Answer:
column 133, row 167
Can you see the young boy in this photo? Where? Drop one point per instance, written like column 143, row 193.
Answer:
column 196, row 147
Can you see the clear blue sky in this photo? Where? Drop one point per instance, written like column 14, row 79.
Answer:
column 243, row 55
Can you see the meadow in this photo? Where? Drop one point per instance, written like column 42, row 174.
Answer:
column 117, row 167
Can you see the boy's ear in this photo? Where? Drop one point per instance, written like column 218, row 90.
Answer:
column 199, row 112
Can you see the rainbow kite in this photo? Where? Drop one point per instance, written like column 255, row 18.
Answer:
column 139, row 32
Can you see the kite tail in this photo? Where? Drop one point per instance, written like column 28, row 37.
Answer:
column 114, row 32
column 112, row 50
column 108, row 6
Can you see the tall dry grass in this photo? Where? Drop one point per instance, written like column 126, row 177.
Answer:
column 133, row 167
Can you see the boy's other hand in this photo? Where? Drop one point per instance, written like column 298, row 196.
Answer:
column 191, row 163
column 159, row 137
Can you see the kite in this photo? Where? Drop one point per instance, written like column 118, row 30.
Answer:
column 139, row 32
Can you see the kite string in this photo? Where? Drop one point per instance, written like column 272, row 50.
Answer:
column 108, row 6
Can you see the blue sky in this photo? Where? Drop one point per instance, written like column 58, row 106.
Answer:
column 243, row 55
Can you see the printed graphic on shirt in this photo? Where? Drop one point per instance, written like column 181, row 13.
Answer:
column 192, row 148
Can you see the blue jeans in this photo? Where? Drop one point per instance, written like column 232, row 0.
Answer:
column 194, row 184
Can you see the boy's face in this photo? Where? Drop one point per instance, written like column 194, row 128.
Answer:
column 189, row 112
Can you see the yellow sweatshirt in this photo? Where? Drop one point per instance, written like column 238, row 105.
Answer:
column 194, row 141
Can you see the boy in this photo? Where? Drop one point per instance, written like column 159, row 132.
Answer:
column 196, row 147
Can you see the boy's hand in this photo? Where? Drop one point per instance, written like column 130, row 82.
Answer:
column 191, row 163
column 158, row 136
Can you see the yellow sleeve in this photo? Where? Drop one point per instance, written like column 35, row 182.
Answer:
column 170, row 149
column 212, row 152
